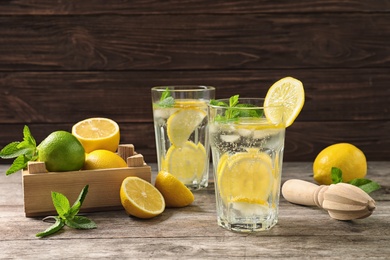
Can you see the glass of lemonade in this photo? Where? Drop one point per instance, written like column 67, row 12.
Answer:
column 247, row 150
column 181, row 130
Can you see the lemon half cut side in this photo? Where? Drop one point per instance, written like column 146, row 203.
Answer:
column 140, row 198
column 97, row 133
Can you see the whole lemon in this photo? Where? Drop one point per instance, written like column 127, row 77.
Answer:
column 103, row 159
column 347, row 157
column 175, row 193
column 61, row 151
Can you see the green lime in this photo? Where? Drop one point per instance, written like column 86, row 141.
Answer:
column 61, row 151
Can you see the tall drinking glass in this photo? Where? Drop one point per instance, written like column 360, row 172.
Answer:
column 181, row 129
column 247, row 144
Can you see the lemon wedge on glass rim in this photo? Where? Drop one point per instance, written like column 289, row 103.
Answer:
column 288, row 92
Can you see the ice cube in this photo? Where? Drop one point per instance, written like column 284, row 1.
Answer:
column 230, row 138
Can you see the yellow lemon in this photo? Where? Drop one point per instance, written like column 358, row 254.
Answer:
column 175, row 193
column 61, row 151
column 140, row 198
column 347, row 157
column 97, row 133
column 246, row 177
column 103, row 159
column 288, row 92
column 182, row 124
column 186, row 163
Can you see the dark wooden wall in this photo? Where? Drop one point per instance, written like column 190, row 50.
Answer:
column 63, row 61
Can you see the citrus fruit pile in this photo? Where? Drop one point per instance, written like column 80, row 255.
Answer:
column 91, row 145
column 100, row 139
column 185, row 159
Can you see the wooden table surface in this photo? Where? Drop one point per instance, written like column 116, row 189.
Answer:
column 192, row 232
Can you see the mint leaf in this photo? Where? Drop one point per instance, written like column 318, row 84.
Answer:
column 61, row 203
column 58, row 225
column 24, row 152
column 365, row 184
column 82, row 195
column 80, row 222
column 249, row 112
column 336, row 175
column 233, row 100
column 11, row 150
column 27, row 137
column 165, row 94
column 168, row 102
column 18, row 164
column 166, row 99
column 68, row 215
column 235, row 110
column 218, row 103
column 74, row 210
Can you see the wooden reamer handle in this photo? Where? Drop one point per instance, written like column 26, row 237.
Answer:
column 300, row 192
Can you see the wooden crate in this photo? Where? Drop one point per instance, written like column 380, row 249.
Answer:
column 104, row 184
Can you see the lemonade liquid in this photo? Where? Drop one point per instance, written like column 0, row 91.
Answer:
column 189, row 159
column 247, row 160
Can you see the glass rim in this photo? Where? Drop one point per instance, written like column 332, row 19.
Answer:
column 183, row 88
column 226, row 100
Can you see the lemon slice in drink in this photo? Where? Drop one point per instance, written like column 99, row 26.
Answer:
column 288, row 92
column 140, row 198
column 187, row 163
column 246, row 177
column 182, row 123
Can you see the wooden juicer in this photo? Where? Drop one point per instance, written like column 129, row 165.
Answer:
column 342, row 201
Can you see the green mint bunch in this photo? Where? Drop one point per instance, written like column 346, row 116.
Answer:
column 67, row 215
column 235, row 111
column 365, row 184
column 23, row 151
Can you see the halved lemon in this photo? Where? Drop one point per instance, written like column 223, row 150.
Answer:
column 288, row 92
column 246, row 177
column 187, row 163
column 97, row 133
column 175, row 193
column 140, row 198
column 182, row 124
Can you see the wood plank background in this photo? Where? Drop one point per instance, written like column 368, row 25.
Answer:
column 63, row 61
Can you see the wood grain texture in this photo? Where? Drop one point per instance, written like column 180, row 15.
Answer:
column 192, row 232
column 64, row 61
column 48, row 7
column 194, row 42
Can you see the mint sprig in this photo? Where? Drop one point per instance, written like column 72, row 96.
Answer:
column 166, row 99
column 23, row 151
column 235, row 111
column 365, row 184
column 67, row 215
